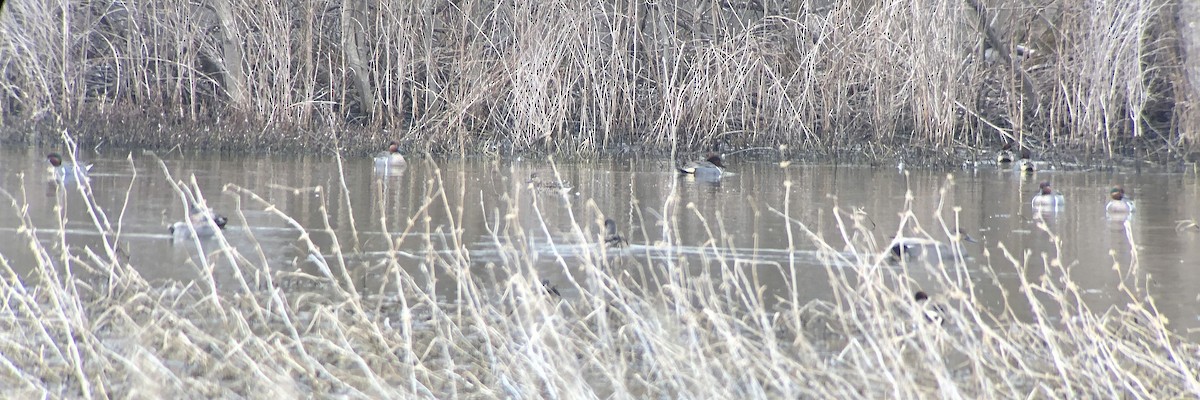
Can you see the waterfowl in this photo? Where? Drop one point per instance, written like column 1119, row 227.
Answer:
column 1118, row 205
column 909, row 248
column 1047, row 199
column 932, row 312
column 390, row 157
column 1004, row 157
column 611, row 237
column 1026, row 165
column 205, row 221
column 537, row 182
column 1021, row 159
column 67, row 172
column 550, row 289
column 1007, row 155
column 710, row 166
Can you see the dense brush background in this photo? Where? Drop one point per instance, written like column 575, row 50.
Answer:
column 836, row 77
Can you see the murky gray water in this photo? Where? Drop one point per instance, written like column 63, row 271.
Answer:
column 993, row 207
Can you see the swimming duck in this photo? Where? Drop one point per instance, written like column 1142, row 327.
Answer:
column 932, row 312
column 205, row 221
column 1006, row 154
column 710, row 166
column 550, row 289
column 67, row 172
column 910, row 248
column 390, row 157
column 611, row 236
column 1118, row 205
column 536, row 181
column 1027, row 166
column 1047, row 199
column 1021, row 159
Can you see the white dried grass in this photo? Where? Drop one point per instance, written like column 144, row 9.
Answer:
column 98, row 329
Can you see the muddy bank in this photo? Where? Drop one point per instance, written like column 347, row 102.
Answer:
column 135, row 131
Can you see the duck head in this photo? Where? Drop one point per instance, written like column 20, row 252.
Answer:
column 610, row 227
column 1045, row 188
column 1117, row 193
column 714, row 158
column 393, row 147
column 920, row 296
column 55, row 159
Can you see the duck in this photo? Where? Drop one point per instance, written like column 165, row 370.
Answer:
column 536, row 181
column 910, row 248
column 1006, row 154
column 1047, row 199
column 549, row 289
column 205, row 221
column 67, row 172
column 1004, row 157
column 1027, row 166
column 1118, row 204
column 390, row 157
column 1021, row 159
column 611, row 236
column 709, row 167
column 932, row 312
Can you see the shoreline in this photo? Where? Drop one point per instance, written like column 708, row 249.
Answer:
column 244, row 137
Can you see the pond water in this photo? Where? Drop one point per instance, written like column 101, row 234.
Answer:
column 737, row 218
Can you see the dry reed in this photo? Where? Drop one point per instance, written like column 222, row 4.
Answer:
column 83, row 324
column 579, row 77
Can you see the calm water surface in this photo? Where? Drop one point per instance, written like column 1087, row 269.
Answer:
column 992, row 205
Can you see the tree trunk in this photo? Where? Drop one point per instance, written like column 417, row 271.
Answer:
column 351, row 11
column 1189, row 89
column 234, row 76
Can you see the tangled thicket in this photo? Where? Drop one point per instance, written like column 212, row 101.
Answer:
column 581, row 76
